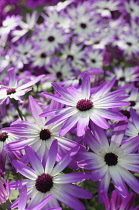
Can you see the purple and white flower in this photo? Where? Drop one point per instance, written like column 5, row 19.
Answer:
column 112, row 159
column 44, row 178
column 15, row 90
column 83, row 106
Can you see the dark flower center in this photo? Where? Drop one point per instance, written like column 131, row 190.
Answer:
column 10, row 91
column 93, row 61
column 129, row 44
column 70, row 57
column 126, row 113
column 115, row 14
column 59, row 74
column 83, row 25
column 3, row 136
column 43, row 55
column 136, row 84
column 44, row 183
column 122, row 78
column 132, row 103
column 111, row 159
column 45, row 134
column 131, row 10
column 84, row 104
column 51, row 38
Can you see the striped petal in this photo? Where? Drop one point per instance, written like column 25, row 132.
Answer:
column 24, row 170
column 72, row 177
column 130, row 180
column 66, row 198
column 118, row 180
column 86, row 86
column 51, row 158
column 34, row 160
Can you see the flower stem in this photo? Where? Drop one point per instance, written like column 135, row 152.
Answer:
column 16, row 105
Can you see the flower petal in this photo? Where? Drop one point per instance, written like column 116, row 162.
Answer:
column 98, row 174
column 131, row 146
column 42, row 203
column 99, row 121
column 51, row 157
column 118, row 180
column 130, row 180
column 22, row 198
column 103, row 186
column 64, row 162
column 34, row 160
column 72, row 177
column 24, row 170
column 30, row 83
column 77, row 191
column 118, row 132
column 36, row 111
column 86, row 86
column 66, row 198
column 12, row 78
column 68, row 125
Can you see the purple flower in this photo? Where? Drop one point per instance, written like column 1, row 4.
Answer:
column 112, row 160
column 45, row 178
column 37, row 135
column 6, row 137
column 118, row 203
column 4, row 191
column 82, row 106
column 124, row 77
column 14, row 90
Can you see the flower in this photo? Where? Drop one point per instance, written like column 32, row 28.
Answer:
column 73, row 54
column 6, row 136
column 49, row 38
column 118, row 203
column 20, row 54
column 132, row 8
column 133, row 99
column 40, row 58
column 60, row 69
column 124, row 76
column 112, row 159
column 15, row 90
column 128, row 42
column 83, row 21
column 4, row 191
column 37, row 135
column 94, row 58
column 27, row 26
column 106, row 7
column 44, row 179
column 82, row 106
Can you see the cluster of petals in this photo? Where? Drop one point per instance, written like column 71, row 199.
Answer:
column 111, row 159
column 44, row 178
column 85, row 104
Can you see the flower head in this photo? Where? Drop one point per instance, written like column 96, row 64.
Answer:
column 112, row 160
column 37, row 135
column 84, row 106
column 15, row 90
column 44, row 178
